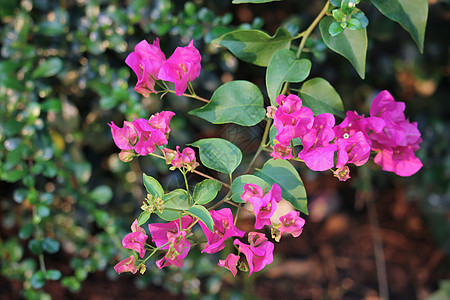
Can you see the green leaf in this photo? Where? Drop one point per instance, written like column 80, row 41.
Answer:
column 281, row 172
column 48, row 68
column 361, row 18
column 338, row 15
column 37, row 280
column 43, row 210
column 351, row 44
column 143, row 217
column 348, row 6
column 14, row 175
column 26, row 231
column 152, row 186
column 53, row 275
column 237, row 188
column 354, row 24
column 285, row 67
column 411, row 15
column 50, row 245
column 319, row 95
column 255, row 46
column 335, row 29
column 219, row 154
column 252, row 1
column 239, row 102
column 203, row 214
column 51, row 105
column 35, row 246
column 102, row 194
column 206, row 191
column 174, row 202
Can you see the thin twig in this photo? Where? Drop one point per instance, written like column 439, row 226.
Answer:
column 210, row 177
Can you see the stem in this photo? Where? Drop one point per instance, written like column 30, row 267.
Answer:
column 187, row 188
column 210, row 177
column 191, row 96
column 261, row 146
column 221, row 201
column 311, row 27
column 239, row 207
column 154, row 251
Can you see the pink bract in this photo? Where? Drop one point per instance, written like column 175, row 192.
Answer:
column 146, row 62
column 259, row 253
column 354, row 149
column 230, row 263
column 126, row 265
column 281, row 151
column 171, row 233
column 223, row 229
column 289, row 223
column 251, row 190
column 317, row 152
column 135, row 241
column 124, row 137
column 265, row 206
column 181, row 67
column 185, row 159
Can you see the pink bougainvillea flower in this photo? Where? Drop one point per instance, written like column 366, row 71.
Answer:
column 125, row 138
column 126, row 265
column 396, row 143
column 136, row 228
column 185, row 159
column 171, row 233
column 265, row 206
column 223, row 229
column 230, row 263
column 146, row 61
column 181, row 67
column 291, row 119
column 251, row 190
column 281, row 151
column 354, row 149
column 161, row 121
column 259, row 253
column 400, row 160
column 289, row 223
column 178, row 249
column 342, row 173
column 354, row 123
column 317, row 152
column 135, row 241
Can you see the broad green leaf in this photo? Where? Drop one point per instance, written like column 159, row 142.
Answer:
column 48, row 68
column 174, row 202
column 152, row 186
column 203, row 214
column 239, row 102
column 237, row 188
column 206, row 191
column 37, row 280
column 35, row 246
column 281, row 172
column 53, row 274
column 50, row 245
column 143, row 217
column 352, row 44
column 102, row 194
column 285, row 67
column 252, row 1
column 319, row 95
column 26, row 231
column 255, row 46
column 219, row 154
column 410, row 14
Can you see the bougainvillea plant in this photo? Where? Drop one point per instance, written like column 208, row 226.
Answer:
column 300, row 125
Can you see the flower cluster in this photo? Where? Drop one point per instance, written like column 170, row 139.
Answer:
column 386, row 131
column 150, row 64
column 142, row 136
